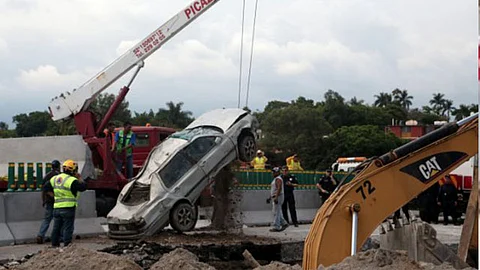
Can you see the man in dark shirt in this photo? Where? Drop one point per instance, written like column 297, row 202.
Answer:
column 447, row 199
column 289, row 183
column 65, row 187
column 47, row 202
column 326, row 185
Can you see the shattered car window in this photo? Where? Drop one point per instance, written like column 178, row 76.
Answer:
column 200, row 147
column 188, row 134
column 185, row 159
column 175, row 169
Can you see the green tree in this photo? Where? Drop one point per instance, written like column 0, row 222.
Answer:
column 298, row 128
column 3, row 126
column 34, row 124
column 447, row 108
column 366, row 140
column 174, row 116
column 354, row 102
column 335, row 111
column 438, row 102
column 462, row 111
column 103, row 102
column 402, row 98
column 383, row 99
column 141, row 119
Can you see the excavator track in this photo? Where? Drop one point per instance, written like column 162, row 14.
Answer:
column 382, row 187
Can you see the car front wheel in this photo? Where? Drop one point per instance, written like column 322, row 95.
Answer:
column 183, row 217
column 247, row 148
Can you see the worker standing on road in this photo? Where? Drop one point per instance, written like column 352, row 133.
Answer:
column 47, row 202
column 125, row 140
column 258, row 162
column 326, row 185
column 66, row 187
column 277, row 198
column 293, row 163
column 289, row 184
column 447, row 199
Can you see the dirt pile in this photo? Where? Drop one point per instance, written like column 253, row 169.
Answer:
column 279, row 266
column 180, row 259
column 76, row 258
column 384, row 259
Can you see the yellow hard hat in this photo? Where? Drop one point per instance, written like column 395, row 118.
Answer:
column 70, row 165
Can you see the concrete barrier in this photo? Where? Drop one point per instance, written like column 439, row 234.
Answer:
column 24, row 214
column 256, row 211
column 6, row 237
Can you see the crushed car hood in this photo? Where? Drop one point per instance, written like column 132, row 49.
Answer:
column 221, row 118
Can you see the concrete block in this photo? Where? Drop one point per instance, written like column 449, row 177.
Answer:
column 24, row 214
column 6, row 237
column 256, row 212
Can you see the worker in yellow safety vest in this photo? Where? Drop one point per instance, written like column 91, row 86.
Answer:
column 258, row 162
column 293, row 163
column 65, row 188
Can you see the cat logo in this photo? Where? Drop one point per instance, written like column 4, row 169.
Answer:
column 429, row 168
column 425, row 169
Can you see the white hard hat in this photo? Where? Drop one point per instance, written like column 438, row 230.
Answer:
column 259, row 151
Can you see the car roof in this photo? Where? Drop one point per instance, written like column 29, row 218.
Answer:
column 221, row 118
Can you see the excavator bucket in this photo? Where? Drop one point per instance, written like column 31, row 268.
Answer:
column 46, row 149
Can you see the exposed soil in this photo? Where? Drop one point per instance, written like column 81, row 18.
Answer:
column 206, row 238
column 180, row 259
column 75, row 258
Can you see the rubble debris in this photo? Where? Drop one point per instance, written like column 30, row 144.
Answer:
column 384, row 259
column 250, row 260
column 371, row 243
column 180, row 259
column 278, row 266
column 76, row 258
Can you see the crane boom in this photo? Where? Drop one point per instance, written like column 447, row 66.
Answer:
column 70, row 104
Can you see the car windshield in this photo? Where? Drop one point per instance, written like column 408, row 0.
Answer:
column 188, row 134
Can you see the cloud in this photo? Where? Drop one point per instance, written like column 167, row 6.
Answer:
column 48, row 76
column 3, row 47
column 294, row 68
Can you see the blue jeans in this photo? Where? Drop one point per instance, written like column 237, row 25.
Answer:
column 278, row 220
column 128, row 165
column 63, row 224
column 46, row 220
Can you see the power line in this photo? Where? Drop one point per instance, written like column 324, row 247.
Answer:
column 251, row 52
column 241, row 56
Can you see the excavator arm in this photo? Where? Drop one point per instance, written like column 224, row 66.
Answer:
column 383, row 186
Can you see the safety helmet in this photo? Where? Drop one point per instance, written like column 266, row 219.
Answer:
column 56, row 164
column 69, row 165
column 276, row 170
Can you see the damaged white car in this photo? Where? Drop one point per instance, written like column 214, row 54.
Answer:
column 176, row 172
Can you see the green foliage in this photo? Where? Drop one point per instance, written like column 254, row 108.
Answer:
column 103, row 102
column 173, row 116
column 354, row 141
column 296, row 128
column 34, row 124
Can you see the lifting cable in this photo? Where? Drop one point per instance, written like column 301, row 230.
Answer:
column 251, row 52
column 241, row 56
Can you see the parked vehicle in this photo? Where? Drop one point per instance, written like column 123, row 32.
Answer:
column 176, row 172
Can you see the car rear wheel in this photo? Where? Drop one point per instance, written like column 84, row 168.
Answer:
column 247, row 148
column 183, row 217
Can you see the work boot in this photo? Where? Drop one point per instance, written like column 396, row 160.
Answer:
column 39, row 240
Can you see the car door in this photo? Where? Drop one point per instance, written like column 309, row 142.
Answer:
column 222, row 147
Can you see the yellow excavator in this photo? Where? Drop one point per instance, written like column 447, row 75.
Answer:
column 381, row 186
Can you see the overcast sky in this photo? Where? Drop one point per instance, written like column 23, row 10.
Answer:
column 302, row 48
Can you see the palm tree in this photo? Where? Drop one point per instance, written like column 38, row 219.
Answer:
column 174, row 115
column 461, row 112
column 447, row 107
column 437, row 102
column 355, row 102
column 474, row 108
column 405, row 100
column 383, row 99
